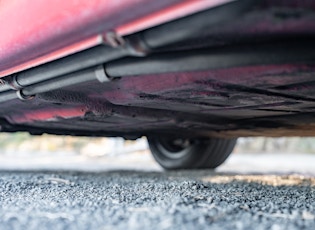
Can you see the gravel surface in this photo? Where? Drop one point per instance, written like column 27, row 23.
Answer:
column 155, row 200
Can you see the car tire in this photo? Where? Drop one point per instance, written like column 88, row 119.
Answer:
column 179, row 153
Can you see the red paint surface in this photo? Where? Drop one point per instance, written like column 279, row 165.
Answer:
column 35, row 32
column 48, row 114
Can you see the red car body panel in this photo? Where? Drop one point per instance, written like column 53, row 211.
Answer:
column 37, row 32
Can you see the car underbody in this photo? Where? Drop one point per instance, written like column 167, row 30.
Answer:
column 245, row 68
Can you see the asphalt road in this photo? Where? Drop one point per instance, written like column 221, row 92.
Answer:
column 153, row 199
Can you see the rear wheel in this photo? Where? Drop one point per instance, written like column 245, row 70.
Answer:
column 181, row 153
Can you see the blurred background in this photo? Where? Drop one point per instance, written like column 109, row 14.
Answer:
column 21, row 151
column 19, row 143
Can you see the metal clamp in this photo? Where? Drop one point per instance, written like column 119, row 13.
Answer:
column 13, row 82
column 133, row 44
column 24, row 97
column 136, row 46
column 113, row 39
column 100, row 74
